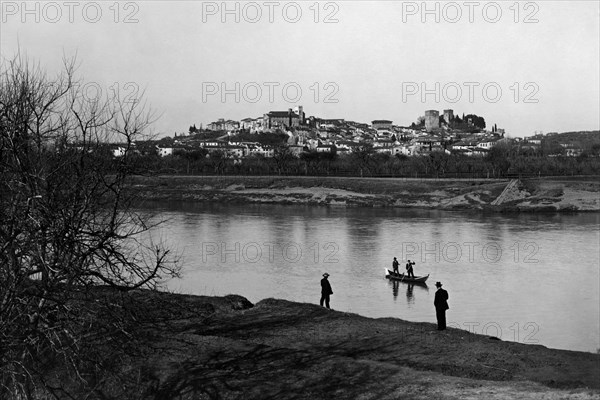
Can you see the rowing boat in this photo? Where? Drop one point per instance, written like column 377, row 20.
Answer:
column 403, row 278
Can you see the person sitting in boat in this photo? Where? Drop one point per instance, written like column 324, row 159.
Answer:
column 395, row 265
column 409, row 269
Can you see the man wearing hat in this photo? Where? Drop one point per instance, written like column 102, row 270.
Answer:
column 409, row 269
column 395, row 265
column 441, row 305
column 325, row 290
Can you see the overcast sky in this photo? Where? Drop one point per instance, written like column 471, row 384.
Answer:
column 525, row 66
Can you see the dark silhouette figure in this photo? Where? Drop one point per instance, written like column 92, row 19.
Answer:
column 409, row 269
column 441, row 305
column 409, row 293
column 395, row 265
column 325, row 290
column 395, row 287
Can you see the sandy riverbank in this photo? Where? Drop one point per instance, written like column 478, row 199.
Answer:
column 538, row 195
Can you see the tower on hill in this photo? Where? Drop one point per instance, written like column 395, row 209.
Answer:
column 432, row 120
column 448, row 116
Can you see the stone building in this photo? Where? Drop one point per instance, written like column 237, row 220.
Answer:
column 381, row 124
column 448, row 116
column 432, row 120
column 283, row 119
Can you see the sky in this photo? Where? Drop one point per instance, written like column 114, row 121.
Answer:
column 525, row 66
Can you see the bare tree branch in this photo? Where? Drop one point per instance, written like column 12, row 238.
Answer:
column 67, row 225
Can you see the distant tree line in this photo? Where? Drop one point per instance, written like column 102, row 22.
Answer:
column 501, row 161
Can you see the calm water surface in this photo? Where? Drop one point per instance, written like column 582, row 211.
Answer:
column 525, row 278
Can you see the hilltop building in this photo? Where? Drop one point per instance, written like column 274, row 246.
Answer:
column 381, row 124
column 448, row 116
column 284, row 119
column 251, row 124
column 432, row 120
column 222, row 125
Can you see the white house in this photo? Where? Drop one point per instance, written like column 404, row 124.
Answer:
column 235, row 151
column 247, row 123
column 325, row 148
column 487, row 144
column 464, row 145
column 261, row 150
column 118, row 151
column 164, row 151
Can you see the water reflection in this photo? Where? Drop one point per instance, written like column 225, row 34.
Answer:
column 409, row 293
column 410, row 287
column 496, row 267
column 395, row 286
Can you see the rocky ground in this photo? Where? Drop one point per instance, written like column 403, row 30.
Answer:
column 537, row 195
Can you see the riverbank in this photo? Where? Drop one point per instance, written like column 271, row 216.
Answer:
column 227, row 348
column 534, row 195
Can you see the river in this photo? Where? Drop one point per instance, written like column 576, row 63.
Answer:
column 530, row 278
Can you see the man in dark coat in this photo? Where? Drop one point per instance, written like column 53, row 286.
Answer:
column 409, row 269
column 441, row 305
column 325, row 290
column 395, row 265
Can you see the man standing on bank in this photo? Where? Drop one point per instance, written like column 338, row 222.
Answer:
column 325, row 290
column 441, row 305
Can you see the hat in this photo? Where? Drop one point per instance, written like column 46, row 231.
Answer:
column 325, row 274
column 438, row 284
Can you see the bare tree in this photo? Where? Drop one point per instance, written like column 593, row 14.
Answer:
column 282, row 157
column 363, row 155
column 67, row 227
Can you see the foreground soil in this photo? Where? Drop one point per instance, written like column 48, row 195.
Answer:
column 227, row 348
column 535, row 195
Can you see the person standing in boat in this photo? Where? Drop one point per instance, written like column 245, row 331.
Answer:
column 325, row 290
column 395, row 265
column 409, row 269
column 441, row 305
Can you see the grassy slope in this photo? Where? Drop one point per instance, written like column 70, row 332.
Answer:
column 221, row 348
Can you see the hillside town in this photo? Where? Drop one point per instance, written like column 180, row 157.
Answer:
column 433, row 132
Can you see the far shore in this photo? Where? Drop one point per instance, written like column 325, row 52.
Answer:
column 563, row 194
